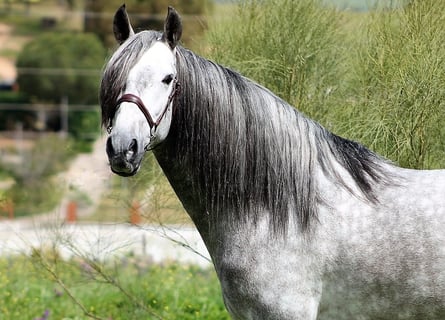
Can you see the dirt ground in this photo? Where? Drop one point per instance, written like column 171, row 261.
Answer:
column 90, row 174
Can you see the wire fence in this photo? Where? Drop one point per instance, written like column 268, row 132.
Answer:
column 46, row 107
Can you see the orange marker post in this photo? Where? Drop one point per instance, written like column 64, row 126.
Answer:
column 71, row 212
column 135, row 214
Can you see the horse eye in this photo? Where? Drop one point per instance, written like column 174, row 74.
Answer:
column 168, row 79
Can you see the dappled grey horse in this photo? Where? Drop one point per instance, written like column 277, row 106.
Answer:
column 299, row 223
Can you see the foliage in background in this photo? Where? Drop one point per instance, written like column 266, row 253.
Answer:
column 64, row 66
column 57, row 65
column 396, row 96
column 9, row 118
column 146, row 15
column 35, row 189
column 363, row 5
column 380, row 83
column 288, row 46
column 84, row 127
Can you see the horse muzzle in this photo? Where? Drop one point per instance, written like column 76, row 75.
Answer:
column 124, row 162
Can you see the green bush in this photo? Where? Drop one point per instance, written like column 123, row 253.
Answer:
column 57, row 65
column 84, row 125
column 35, row 189
column 396, row 91
column 289, row 46
column 378, row 79
column 9, row 118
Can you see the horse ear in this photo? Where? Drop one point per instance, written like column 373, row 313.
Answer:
column 172, row 28
column 121, row 25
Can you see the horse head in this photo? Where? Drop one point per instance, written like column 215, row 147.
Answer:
column 137, row 103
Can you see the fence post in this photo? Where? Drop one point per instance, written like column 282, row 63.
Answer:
column 135, row 214
column 10, row 209
column 7, row 206
column 71, row 212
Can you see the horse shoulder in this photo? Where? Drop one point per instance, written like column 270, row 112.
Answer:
column 270, row 277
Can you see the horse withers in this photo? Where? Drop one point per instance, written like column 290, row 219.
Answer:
column 299, row 222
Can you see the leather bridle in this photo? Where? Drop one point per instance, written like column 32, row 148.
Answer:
column 129, row 97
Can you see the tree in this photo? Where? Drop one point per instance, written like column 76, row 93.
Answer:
column 58, row 65
column 64, row 66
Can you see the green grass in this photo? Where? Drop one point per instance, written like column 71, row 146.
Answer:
column 140, row 290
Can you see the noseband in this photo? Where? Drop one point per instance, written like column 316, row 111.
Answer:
column 129, row 97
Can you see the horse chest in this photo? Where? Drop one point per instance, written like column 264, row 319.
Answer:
column 267, row 278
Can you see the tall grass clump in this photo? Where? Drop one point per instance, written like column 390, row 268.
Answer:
column 375, row 77
column 288, row 46
column 397, row 74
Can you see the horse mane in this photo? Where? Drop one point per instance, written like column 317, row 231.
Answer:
column 252, row 152
column 245, row 150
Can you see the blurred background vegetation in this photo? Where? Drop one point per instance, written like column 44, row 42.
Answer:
column 48, row 106
column 368, row 70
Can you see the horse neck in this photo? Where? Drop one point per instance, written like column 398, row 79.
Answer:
column 236, row 152
column 221, row 154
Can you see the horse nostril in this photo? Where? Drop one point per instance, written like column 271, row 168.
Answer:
column 132, row 150
column 133, row 145
column 109, row 148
